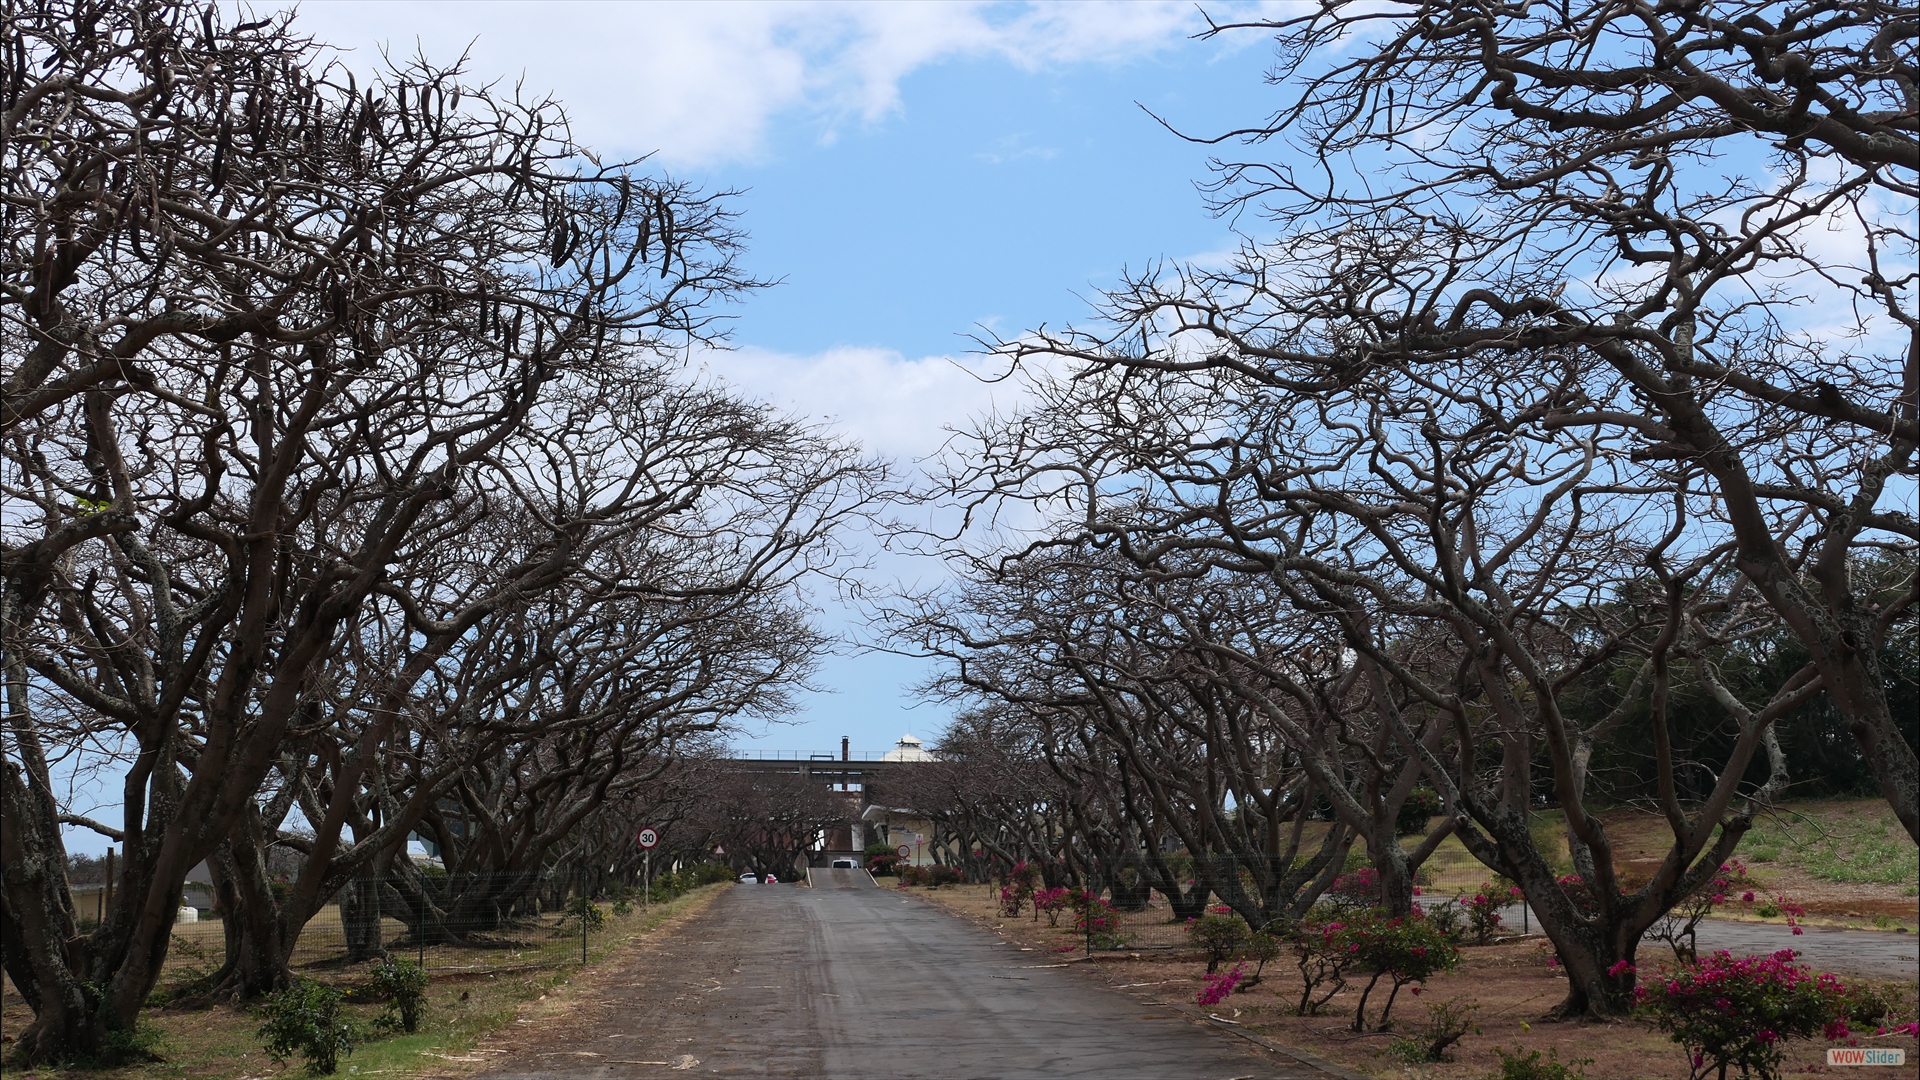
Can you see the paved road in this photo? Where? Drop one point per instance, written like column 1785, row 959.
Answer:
column 847, row 981
column 1880, row 954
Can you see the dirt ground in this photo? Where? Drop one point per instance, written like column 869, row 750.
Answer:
column 1511, row 983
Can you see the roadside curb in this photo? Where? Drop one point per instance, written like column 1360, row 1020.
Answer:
column 1300, row 1056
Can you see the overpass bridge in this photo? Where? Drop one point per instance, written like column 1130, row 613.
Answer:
column 849, row 774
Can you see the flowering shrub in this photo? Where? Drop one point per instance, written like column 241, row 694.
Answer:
column 1021, row 881
column 1400, row 950
column 1219, row 933
column 1098, row 920
column 1578, row 892
column 1323, row 958
column 1677, row 926
column 1730, row 885
column 1483, row 909
column 1216, row 987
column 1052, row 901
column 882, row 865
column 1737, row 1013
column 1794, row 912
column 1776, row 906
column 1355, row 891
column 1025, row 873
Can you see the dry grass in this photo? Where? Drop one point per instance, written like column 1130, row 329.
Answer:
column 219, row 1043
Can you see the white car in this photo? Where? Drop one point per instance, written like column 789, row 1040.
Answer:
column 749, row 879
column 845, row 864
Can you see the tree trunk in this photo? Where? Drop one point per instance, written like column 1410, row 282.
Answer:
column 360, row 917
column 257, row 945
column 1590, row 934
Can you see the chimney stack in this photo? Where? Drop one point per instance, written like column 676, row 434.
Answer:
column 843, row 749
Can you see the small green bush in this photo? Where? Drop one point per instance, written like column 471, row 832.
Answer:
column 1263, row 947
column 1533, row 1067
column 119, row 1047
column 1450, row 920
column 707, row 873
column 1447, row 1023
column 1421, row 805
column 581, row 909
column 1220, row 934
column 307, row 1019
column 403, row 985
column 1868, row 1005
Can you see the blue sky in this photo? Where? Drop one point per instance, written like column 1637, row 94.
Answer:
column 913, row 173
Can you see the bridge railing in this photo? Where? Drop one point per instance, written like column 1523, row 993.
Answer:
column 795, row 755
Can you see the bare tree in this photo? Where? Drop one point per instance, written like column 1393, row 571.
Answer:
column 285, row 337
column 1679, row 193
column 766, row 820
column 1521, row 388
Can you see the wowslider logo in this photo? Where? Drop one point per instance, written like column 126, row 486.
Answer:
column 1851, row 1055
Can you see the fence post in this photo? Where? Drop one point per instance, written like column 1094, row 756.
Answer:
column 584, row 904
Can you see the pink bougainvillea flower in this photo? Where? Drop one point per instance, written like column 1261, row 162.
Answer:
column 1747, row 897
column 1620, row 968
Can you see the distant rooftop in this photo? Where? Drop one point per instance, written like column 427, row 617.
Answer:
column 908, row 748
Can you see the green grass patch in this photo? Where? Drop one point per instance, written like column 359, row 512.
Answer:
column 1866, row 848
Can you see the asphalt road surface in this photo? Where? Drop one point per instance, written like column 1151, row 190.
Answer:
column 1880, row 954
column 847, row 981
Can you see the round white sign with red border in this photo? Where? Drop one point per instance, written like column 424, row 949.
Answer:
column 904, row 850
column 648, row 838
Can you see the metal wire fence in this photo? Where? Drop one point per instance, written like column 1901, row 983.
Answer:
column 471, row 924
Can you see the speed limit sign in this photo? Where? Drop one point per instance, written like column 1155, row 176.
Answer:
column 648, row 838
column 904, row 850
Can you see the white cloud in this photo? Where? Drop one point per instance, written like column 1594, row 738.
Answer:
column 894, row 405
column 702, row 82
